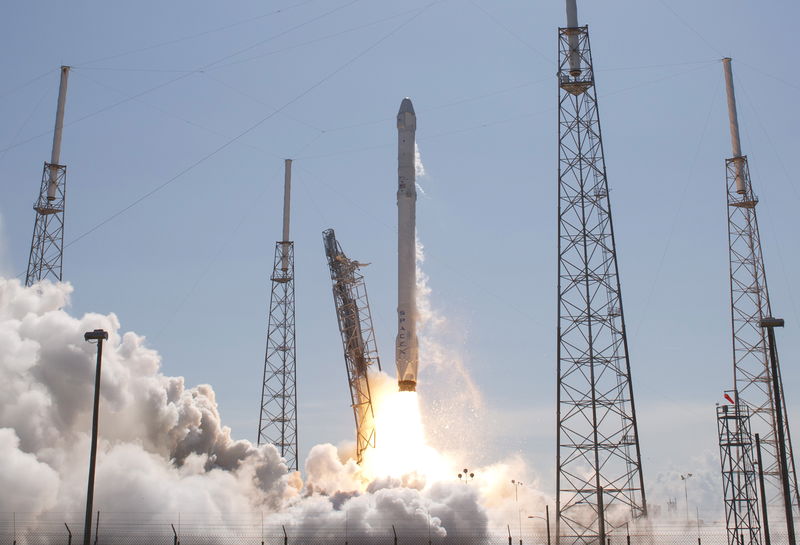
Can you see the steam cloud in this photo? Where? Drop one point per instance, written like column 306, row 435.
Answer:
column 163, row 448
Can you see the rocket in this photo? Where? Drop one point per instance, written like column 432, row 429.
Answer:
column 406, row 345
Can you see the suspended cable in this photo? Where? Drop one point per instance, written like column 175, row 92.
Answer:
column 252, row 127
column 192, row 36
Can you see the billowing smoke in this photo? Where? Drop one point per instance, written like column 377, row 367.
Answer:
column 164, row 450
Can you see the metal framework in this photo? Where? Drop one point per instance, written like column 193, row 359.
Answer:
column 599, row 471
column 749, row 305
column 738, row 475
column 47, row 245
column 277, row 424
column 358, row 336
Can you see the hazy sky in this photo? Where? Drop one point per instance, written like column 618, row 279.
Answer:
column 179, row 116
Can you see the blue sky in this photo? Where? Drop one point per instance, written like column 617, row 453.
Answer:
column 188, row 265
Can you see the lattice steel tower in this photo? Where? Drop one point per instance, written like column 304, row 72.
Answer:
column 599, row 471
column 738, row 474
column 749, row 305
column 47, row 245
column 358, row 337
column 277, row 423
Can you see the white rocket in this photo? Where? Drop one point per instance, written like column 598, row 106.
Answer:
column 406, row 347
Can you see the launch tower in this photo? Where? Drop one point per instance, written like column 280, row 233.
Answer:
column 358, row 336
column 599, row 470
column 277, row 423
column 47, row 245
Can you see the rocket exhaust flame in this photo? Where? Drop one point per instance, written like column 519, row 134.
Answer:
column 406, row 346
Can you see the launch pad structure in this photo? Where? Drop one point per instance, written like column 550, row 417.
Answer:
column 358, row 337
column 46, row 257
column 750, row 305
column 599, row 478
column 277, row 422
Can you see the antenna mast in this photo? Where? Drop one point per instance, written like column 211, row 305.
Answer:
column 277, row 423
column 47, row 245
column 750, row 304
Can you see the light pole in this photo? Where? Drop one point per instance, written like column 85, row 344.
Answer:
column 770, row 324
column 547, row 520
column 517, row 484
column 466, row 476
column 685, row 478
column 98, row 335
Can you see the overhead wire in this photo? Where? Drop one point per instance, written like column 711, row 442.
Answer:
column 317, row 40
column 192, row 36
column 26, row 121
column 507, row 119
column 245, row 213
column 502, row 25
column 250, row 129
column 690, row 27
column 183, row 75
column 21, row 86
column 173, row 115
column 679, row 208
column 768, row 217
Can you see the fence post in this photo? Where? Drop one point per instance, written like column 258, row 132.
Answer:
column 285, row 536
column 508, row 526
column 395, row 534
column 69, row 535
column 96, row 527
column 174, row 536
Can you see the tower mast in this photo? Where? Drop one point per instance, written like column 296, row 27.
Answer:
column 277, row 423
column 750, row 304
column 599, row 470
column 47, row 245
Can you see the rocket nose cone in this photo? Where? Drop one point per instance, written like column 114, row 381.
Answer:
column 406, row 106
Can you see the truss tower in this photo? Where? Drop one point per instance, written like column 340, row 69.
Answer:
column 46, row 257
column 358, row 337
column 277, row 423
column 749, row 305
column 599, row 471
column 738, row 475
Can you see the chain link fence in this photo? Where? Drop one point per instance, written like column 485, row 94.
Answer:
column 117, row 529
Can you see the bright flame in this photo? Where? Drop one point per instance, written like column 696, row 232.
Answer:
column 401, row 448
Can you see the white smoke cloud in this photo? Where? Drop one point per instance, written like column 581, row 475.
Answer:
column 163, row 449
column 419, row 167
column 445, row 379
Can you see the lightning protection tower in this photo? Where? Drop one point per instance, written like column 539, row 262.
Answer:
column 750, row 304
column 277, row 423
column 738, row 474
column 358, row 336
column 47, row 245
column 599, row 470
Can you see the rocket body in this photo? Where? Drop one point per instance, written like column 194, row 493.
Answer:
column 406, row 345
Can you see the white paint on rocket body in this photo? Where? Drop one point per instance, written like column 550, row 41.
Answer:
column 406, row 347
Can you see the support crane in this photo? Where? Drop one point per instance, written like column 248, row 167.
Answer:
column 358, row 336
